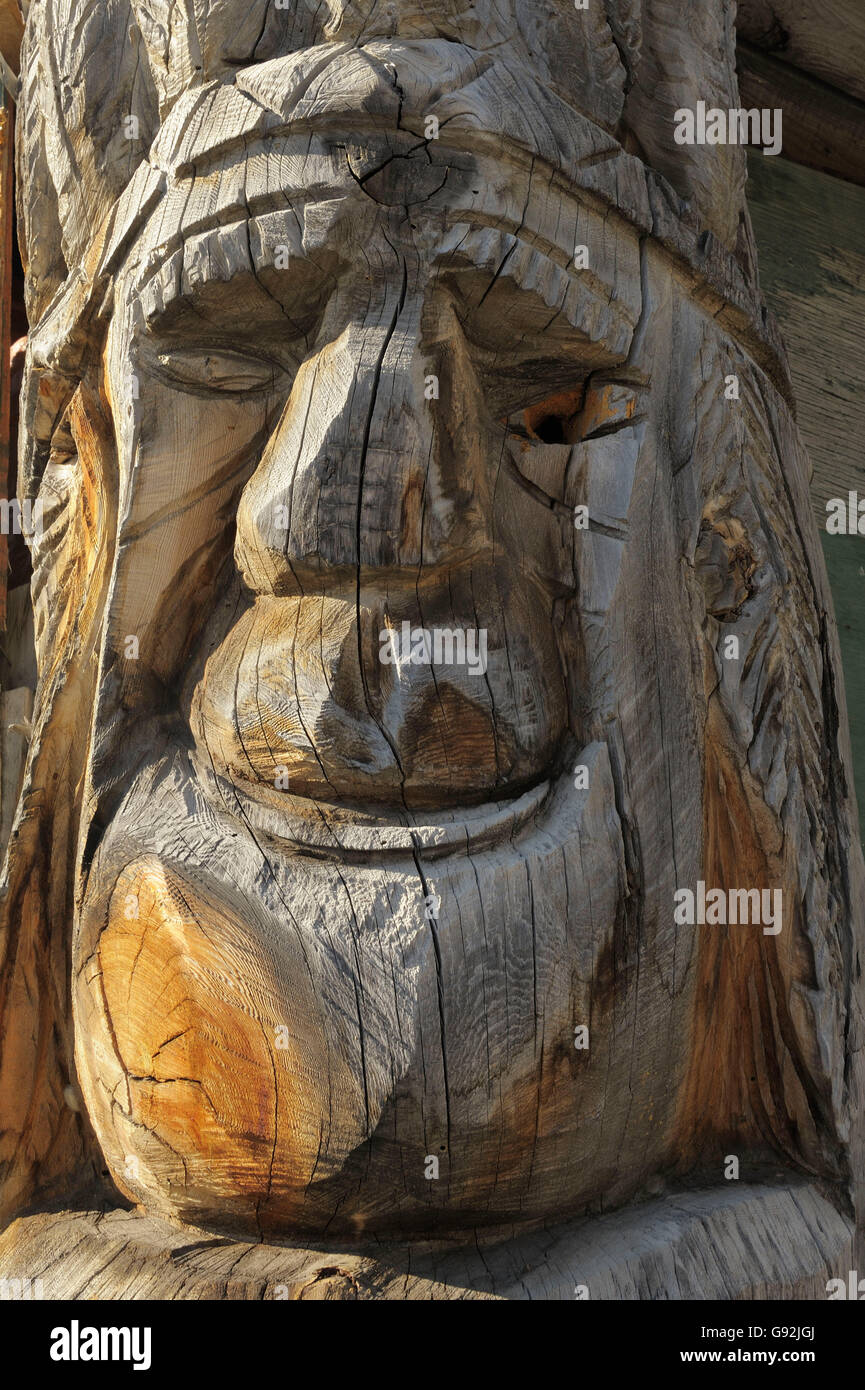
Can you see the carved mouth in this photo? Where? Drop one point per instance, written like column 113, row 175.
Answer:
column 326, row 830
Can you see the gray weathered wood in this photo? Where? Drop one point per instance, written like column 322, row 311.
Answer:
column 823, row 127
column 812, row 260
column 733, row 1243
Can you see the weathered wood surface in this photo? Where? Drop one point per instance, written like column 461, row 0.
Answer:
column 301, row 372
column 17, row 656
column 11, row 31
column 6, row 219
column 16, row 708
column 736, row 1242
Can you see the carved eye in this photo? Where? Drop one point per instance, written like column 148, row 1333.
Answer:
column 591, row 409
column 211, row 369
column 553, row 421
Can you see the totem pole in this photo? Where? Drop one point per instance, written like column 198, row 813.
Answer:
column 437, row 862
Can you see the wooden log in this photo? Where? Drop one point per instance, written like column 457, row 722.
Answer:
column 823, row 127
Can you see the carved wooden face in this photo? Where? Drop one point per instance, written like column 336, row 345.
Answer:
column 428, row 545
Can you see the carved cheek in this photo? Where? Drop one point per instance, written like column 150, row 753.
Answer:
column 179, row 481
column 203, row 1070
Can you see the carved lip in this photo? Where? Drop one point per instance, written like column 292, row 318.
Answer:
column 325, row 830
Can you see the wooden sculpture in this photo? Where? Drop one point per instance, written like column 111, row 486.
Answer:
column 436, row 834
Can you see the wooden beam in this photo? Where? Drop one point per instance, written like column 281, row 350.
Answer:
column 823, row 128
column 825, row 40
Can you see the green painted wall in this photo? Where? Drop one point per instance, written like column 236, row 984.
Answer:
column 845, row 561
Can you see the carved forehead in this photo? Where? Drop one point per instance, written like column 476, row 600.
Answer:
column 86, row 69
column 334, row 198
column 392, row 86
column 536, row 84
column 334, row 133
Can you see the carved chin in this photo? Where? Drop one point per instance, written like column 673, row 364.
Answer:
column 329, row 699
column 238, row 1075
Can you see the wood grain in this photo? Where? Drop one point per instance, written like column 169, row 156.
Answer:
column 822, row 126
column 742, row 1244
column 814, row 281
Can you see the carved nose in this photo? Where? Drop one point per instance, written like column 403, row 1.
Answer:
column 348, row 478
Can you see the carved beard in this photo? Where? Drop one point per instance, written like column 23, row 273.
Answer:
column 287, row 1005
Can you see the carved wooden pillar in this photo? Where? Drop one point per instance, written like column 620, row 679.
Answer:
column 437, row 825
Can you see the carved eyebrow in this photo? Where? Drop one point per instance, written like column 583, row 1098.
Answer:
column 216, row 306
column 199, row 263
column 540, row 335
column 205, row 312
column 575, row 311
